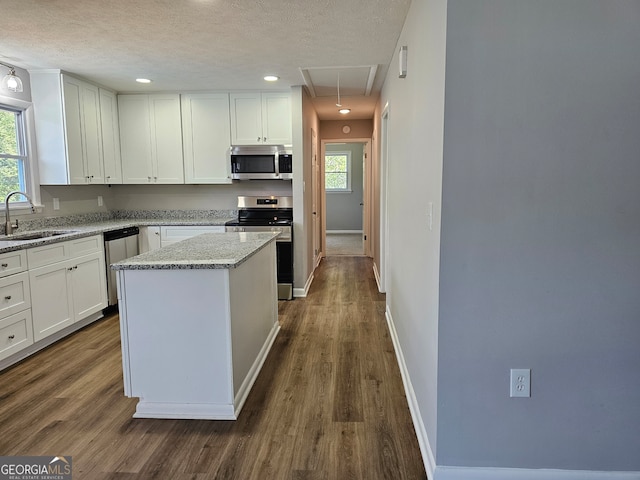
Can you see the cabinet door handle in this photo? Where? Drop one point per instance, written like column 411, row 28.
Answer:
column 264, row 139
column 12, row 336
column 70, row 268
column 8, row 297
column 5, row 265
column 258, row 139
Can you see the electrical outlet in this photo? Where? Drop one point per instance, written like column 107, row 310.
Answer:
column 56, row 204
column 100, row 202
column 520, row 382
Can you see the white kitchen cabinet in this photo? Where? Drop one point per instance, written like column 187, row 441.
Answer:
column 13, row 262
column 14, row 294
column 68, row 283
column 177, row 233
column 69, row 129
column 206, row 137
column 51, row 299
column 148, row 239
column 151, row 138
column 110, row 137
column 16, row 330
column 261, row 118
column 16, row 333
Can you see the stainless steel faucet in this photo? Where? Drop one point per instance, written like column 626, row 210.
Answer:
column 8, row 226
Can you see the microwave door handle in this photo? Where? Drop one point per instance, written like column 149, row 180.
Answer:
column 277, row 165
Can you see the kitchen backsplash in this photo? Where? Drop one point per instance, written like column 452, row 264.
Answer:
column 84, row 218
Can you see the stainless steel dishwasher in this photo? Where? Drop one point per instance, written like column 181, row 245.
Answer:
column 118, row 245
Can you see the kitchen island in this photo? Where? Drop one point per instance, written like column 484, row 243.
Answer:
column 197, row 320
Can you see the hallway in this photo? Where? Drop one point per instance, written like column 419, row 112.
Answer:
column 328, row 404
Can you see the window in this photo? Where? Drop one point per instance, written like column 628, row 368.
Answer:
column 13, row 155
column 337, row 172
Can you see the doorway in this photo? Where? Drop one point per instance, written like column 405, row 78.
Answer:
column 346, row 185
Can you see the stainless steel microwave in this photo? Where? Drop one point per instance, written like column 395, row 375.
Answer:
column 261, row 162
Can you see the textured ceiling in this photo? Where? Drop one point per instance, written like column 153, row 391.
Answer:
column 195, row 45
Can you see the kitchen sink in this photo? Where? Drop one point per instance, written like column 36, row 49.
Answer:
column 17, row 237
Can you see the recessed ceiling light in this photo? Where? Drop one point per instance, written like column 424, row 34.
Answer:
column 344, row 111
column 143, row 80
column 271, row 78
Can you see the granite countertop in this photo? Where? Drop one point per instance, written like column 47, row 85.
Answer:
column 205, row 251
column 86, row 229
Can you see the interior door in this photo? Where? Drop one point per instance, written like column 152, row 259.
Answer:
column 366, row 198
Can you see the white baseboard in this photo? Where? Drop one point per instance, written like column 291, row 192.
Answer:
column 475, row 473
column 480, row 473
column 423, row 440
column 347, row 232
column 376, row 274
column 302, row 292
column 252, row 375
column 184, row 411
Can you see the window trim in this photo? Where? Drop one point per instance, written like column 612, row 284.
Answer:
column 346, row 153
column 31, row 178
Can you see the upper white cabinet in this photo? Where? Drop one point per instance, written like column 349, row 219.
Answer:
column 261, row 118
column 110, row 137
column 151, row 138
column 69, row 129
column 206, row 137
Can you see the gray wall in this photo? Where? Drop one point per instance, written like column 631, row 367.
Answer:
column 344, row 211
column 540, row 262
column 415, row 107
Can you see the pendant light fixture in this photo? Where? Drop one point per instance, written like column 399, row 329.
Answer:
column 11, row 82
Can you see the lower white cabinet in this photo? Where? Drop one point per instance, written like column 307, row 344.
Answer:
column 16, row 333
column 16, row 330
column 173, row 234
column 68, row 288
column 148, row 239
column 13, row 262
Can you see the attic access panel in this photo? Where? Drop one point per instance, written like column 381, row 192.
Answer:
column 354, row 81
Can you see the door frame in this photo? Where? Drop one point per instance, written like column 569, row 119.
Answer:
column 384, row 223
column 367, row 194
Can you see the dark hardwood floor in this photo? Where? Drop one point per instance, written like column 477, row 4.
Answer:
column 329, row 402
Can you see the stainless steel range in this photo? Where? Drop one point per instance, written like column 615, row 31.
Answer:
column 270, row 214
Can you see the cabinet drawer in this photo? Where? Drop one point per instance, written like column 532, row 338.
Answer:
column 16, row 333
column 47, row 254
column 14, row 294
column 13, row 262
column 58, row 252
column 86, row 245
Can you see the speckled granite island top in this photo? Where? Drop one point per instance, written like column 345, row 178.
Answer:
column 209, row 250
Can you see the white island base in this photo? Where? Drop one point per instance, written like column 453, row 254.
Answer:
column 195, row 339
